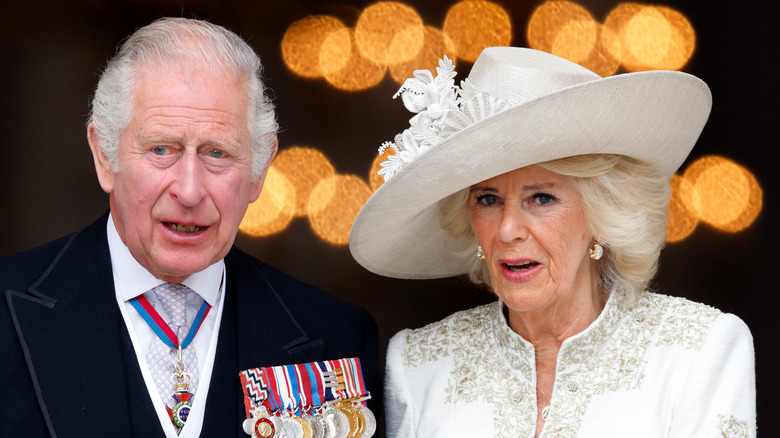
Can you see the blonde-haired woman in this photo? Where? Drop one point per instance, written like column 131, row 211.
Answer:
column 550, row 185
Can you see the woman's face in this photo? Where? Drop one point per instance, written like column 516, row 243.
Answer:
column 531, row 225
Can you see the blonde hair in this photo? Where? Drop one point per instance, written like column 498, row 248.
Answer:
column 625, row 204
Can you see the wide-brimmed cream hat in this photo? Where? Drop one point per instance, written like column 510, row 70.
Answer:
column 518, row 107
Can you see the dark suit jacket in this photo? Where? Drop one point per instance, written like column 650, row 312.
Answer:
column 68, row 368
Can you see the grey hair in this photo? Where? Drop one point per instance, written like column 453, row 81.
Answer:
column 625, row 203
column 168, row 44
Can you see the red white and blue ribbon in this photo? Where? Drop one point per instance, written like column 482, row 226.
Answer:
column 161, row 328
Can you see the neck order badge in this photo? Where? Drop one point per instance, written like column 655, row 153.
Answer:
column 181, row 397
column 307, row 400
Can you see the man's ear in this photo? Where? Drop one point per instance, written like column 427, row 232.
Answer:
column 102, row 167
column 257, row 185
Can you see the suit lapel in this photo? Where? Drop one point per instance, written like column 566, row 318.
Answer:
column 77, row 346
column 257, row 330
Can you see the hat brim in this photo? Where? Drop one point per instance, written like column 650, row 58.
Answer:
column 654, row 117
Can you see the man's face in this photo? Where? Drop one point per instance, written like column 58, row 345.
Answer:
column 183, row 181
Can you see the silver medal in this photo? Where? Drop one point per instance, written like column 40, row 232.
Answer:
column 292, row 428
column 317, row 426
column 370, row 421
column 338, row 422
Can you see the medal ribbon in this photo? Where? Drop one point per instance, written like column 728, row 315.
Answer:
column 161, row 328
column 299, row 387
column 318, row 390
column 274, row 401
column 255, row 388
column 305, row 387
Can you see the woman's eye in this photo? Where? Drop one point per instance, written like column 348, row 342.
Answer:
column 543, row 198
column 486, row 199
column 216, row 153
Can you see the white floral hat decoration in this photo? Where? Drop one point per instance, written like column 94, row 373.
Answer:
column 518, row 107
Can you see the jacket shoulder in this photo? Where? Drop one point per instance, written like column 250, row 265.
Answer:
column 18, row 271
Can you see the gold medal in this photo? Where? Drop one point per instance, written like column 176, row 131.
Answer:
column 354, row 417
column 307, row 430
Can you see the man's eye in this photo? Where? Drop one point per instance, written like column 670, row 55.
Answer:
column 160, row 150
column 216, row 153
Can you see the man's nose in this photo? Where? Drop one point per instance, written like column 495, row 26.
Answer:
column 188, row 186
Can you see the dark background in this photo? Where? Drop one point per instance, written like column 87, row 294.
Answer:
column 52, row 53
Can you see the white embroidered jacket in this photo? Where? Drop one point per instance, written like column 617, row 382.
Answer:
column 664, row 367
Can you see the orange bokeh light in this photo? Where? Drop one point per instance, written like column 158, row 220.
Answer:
column 725, row 194
column 389, row 32
column 474, row 25
column 568, row 30
column 436, row 44
column 302, row 44
column 550, row 18
column 652, row 37
column 334, row 205
column 304, row 168
column 273, row 210
column 681, row 221
column 344, row 67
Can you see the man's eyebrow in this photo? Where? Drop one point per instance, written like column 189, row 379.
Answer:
column 178, row 139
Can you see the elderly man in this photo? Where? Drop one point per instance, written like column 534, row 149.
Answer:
column 105, row 331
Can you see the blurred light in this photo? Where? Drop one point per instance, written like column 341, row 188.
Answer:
column 474, row 25
column 389, row 32
column 304, row 168
column 375, row 180
column 273, row 210
column 334, row 204
column 652, row 37
column 344, row 67
column 681, row 221
column 550, row 18
column 727, row 196
column 576, row 40
column 302, row 44
column 336, row 51
column 436, row 44
column 568, row 30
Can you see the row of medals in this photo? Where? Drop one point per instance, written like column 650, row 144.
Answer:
column 338, row 420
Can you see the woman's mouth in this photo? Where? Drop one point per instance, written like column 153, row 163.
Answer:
column 520, row 266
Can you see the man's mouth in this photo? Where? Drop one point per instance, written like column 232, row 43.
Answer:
column 183, row 228
column 521, row 266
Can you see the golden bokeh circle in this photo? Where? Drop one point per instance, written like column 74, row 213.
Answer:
column 474, row 25
column 576, row 40
column 681, row 221
column 652, row 37
column 389, row 32
column 304, row 167
column 727, row 195
column 436, row 44
column 302, row 43
column 682, row 42
column 753, row 206
column 273, row 210
column 344, row 67
column 335, row 204
column 547, row 21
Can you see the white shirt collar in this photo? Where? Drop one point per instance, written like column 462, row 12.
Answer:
column 135, row 279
